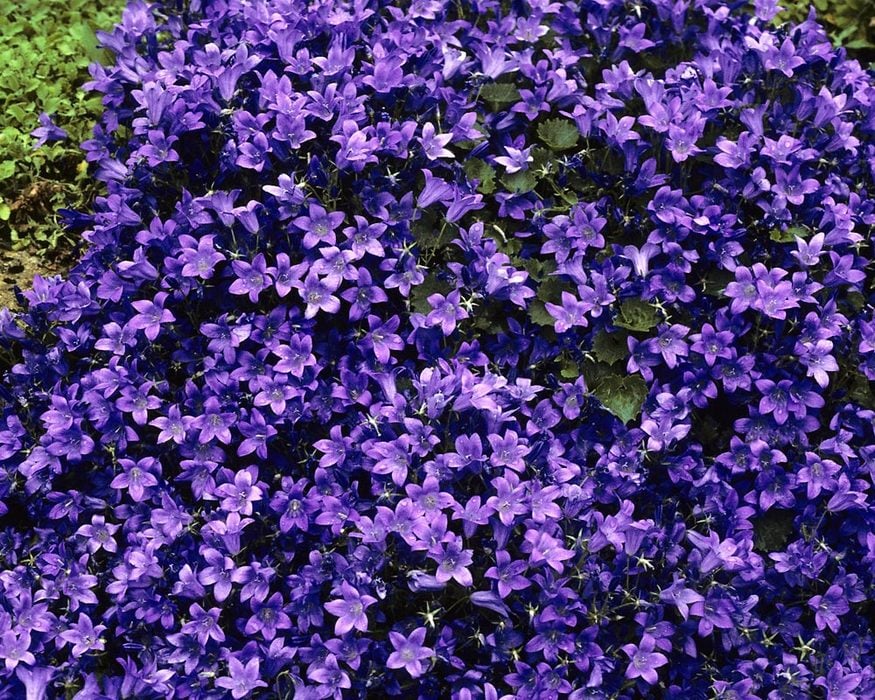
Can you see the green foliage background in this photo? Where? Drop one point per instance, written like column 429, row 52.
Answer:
column 850, row 23
column 45, row 49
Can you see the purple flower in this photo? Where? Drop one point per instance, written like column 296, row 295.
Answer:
column 252, row 278
column 253, row 154
column 35, row 681
column 392, row 458
column 643, row 660
column 356, row 147
column 159, row 148
column 453, row 562
column 839, row 684
column 735, row 154
column 381, row 337
column 436, row 189
column 265, row 492
column 214, row 422
column 138, row 402
column 318, row 296
column 545, row 549
column 409, row 651
column 818, row 474
column 516, row 159
column 434, row 144
column 332, row 680
column 151, row 315
column 508, row 574
column 268, row 617
column 199, row 257
column 783, row 59
column 204, row 624
column 808, row 253
column 84, row 636
column 174, row 426
column 222, row 573
column 386, row 75
column 670, row 344
column 572, row 312
column 256, row 432
column 239, row 496
column 829, row 607
column 242, row 680
column 350, row 609
column 712, row 343
column 446, row 311
column 682, row 138
column 15, row 649
column 47, row 131
column 319, row 226
column 137, row 477
column 100, row 534
column 817, row 359
column 681, row 597
column 507, row 451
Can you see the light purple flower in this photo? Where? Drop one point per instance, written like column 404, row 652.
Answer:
column 350, row 609
column 643, row 660
column 409, row 652
column 242, row 680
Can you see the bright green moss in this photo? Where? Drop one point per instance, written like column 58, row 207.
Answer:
column 45, row 49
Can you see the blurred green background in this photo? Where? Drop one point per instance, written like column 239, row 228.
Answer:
column 850, row 23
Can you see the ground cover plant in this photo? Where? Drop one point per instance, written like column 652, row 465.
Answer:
column 45, row 49
column 466, row 350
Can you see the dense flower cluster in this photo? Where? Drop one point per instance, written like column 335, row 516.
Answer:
column 453, row 349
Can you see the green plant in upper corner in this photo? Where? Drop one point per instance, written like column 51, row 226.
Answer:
column 45, row 49
column 850, row 23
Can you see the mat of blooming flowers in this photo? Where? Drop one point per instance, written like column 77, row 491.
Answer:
column 452, row 349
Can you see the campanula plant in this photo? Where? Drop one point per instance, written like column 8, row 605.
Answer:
column 462, row 349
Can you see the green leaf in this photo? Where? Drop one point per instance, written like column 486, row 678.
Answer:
column 715, row 282
column 597, row 372
column 5, row 212
column 481, row 171
column 7, row 169
column 420, row 293
column 539, row 270
column 499, row 94
column 637, row 315
column 568, row 197
column 789, row 234
column 859, row 44
column 860, row 389
column 86, row 38
column 551, row 289
column 431, row 234
column 610, row 347
column 535, row 268
column 490, row 317
column 570, row 369
column 539, row 315
column 622, row 396
column 772, row 530
column 521, row 182
column 542, row 159
column 856, row 300
column 559, row 134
